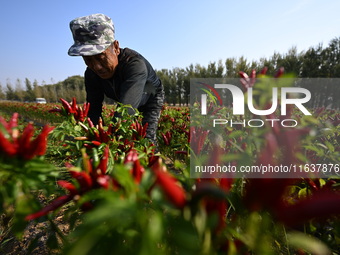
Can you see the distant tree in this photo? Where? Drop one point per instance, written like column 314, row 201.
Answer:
column 201, row 71
column 216, row 71
column 19, row 91
column 183, row 86
column 243, row 65
column 230, row 65
column 164, row 76
column 38, row 92
column 10, row 93
column 71, row 87
column 330, row 57
column 59, row 90
column 312, row 62
column 267, row 63
column 29, row 94
column 2, row 93
column 176, row 86
column 74, row 82
column 291, row 62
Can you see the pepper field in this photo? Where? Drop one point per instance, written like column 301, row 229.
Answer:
column 105, row 190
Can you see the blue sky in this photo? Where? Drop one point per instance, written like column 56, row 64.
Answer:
column 35, row 35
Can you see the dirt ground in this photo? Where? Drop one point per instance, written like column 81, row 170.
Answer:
column 33, row 242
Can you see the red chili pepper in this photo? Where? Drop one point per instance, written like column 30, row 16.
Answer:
column 137, row 169
column 100, row 124
column 96, row 134
column 154, row 162
column 145, row 127
column 25, row 139
column 312, row 184
column 168, row 136
column 264, row 70
column 55, row 204
column 66, row 105
column 280, row 72
column 6, row 146
column 39, row 144
column 86, row 109
column 244, row 79
column 252, row 77
column 248, row 81
column 243, row 75
column 226, row 183
column 132, row 156
column 87, row 163
column 80, row 114
column 197, row 138
column 13, row 123
column 103, row 136
column 96, row 143
column 77, row 115
column 137, row 127
column 55, row 110
column 68, row 186
column 104, row 181
column 91, row 125
column 110, row 129
column 83, row 179
column 74, row 104
column 165, row 139
column 172, row 190
column 140, row 129
column 103, row 162
column 252, row 74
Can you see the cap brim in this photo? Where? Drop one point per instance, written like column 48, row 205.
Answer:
column 87, row 49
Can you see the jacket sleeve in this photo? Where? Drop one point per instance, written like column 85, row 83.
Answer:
column 94, row 96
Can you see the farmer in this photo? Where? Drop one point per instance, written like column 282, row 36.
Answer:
column 118, row 73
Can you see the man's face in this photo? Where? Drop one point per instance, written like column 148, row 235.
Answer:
column 105, row 63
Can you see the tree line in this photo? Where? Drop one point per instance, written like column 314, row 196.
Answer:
column 316, row 62
column 71, row 87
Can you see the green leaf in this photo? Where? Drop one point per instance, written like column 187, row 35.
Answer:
column 330, row 146
column 302, row 193
column 308, row 243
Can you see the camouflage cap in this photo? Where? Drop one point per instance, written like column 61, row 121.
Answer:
column 92, row 35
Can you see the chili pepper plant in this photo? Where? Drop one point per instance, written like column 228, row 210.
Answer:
column 24, row 173
column 118, row 195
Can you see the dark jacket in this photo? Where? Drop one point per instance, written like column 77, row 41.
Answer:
column 134, row 83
